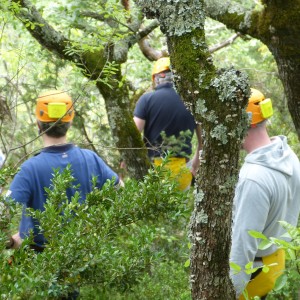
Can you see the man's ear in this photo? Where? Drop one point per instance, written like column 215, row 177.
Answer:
column 70, row 125
column 39, row 126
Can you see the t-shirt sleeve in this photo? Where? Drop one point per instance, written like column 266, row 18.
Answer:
column 19, row 189
column 106, row 173
column 109, row 174
column 140, row 108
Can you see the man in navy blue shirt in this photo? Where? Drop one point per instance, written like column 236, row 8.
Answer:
column 161, row 114
column 54, row 113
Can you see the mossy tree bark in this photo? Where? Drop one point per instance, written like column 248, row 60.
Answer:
column 217, row 100
column 127, row 136
column 128, row 139
column 277, row 25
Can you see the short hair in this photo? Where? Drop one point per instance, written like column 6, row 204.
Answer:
column 55, row 129
column 163, row 77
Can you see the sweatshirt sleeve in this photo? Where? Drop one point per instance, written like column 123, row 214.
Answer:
column 251, row 206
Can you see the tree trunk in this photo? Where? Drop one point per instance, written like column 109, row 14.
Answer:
column 217, row 102
column 289, row 71
column 277, row 25
column 125, row 133
column 281, row 35
column 92, row 63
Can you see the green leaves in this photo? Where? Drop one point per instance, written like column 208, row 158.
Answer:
column 287, row 284
column 235, row 267
column 111, row 238
column 257, row 235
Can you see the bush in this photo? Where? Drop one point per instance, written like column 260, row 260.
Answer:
column 109, row 241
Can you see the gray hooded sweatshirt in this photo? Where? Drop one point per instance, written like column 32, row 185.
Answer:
column 268, row 191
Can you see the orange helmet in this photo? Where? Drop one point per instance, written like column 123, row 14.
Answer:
column 53, row 105
column 259, row 107
column 162, row 64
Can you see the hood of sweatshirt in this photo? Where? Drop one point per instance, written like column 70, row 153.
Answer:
column 274, row 156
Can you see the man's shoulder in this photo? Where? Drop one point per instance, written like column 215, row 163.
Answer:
column 35, row 159
column 85, row 151
column 147, row 95
column 88, row 154
column 254, row 172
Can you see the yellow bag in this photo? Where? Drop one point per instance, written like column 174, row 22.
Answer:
column 179, row 171
column 263, row 283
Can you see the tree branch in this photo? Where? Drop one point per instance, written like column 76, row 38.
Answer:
column 44, row 33
column 147, row 30
column 141, row 39
column 224, row 43
column 90, row 142
column 149, row 52
column 234, row 16
column 112, row 22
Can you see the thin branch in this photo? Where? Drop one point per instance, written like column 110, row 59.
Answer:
column 147, row 30
column 224, row 43
column 142, row 33
column 86, row 134
column 112, row 22
column 2, row 30
column 149, row 52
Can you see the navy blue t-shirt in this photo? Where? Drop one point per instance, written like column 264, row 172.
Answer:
column 163, row 110
column 28, row 186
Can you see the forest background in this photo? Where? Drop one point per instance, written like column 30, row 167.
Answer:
column 137, row 255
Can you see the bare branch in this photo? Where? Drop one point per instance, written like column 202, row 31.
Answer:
column 224, row 43
column 143, row 41
column 147, row 30
column 149, row 52
column 90, row 142
column 112, row 22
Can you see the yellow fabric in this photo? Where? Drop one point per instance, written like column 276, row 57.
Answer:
column 179, row 171
column 263, row 283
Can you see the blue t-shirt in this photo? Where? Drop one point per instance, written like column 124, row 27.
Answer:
column 163, row 110
column 28, row 186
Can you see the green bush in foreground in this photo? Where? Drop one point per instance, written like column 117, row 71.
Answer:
column 167, row 281
column 110, row 241
column 287, row 285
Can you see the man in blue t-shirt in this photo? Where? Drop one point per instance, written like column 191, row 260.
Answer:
column 54, row 113
column 161, row 115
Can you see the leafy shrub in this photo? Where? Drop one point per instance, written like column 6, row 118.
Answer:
column 109, row 241
column 287, row 285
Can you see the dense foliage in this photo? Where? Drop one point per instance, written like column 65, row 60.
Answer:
column 121, row 244
column 108, row 242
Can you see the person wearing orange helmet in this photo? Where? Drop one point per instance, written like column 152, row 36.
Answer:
column 54, row 113
column 268, row 191
column 161, row 115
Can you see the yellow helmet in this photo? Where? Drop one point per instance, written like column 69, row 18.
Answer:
column 259, row 107
column 53, row 105
column 162, row 64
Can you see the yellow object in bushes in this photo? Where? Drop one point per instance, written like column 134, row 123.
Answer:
column 263, row 283
column 179, row 171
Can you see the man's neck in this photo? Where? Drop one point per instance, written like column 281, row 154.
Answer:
column 256, row 138
column 51, row 141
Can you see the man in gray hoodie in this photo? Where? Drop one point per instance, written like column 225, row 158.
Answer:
column 268, row 191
